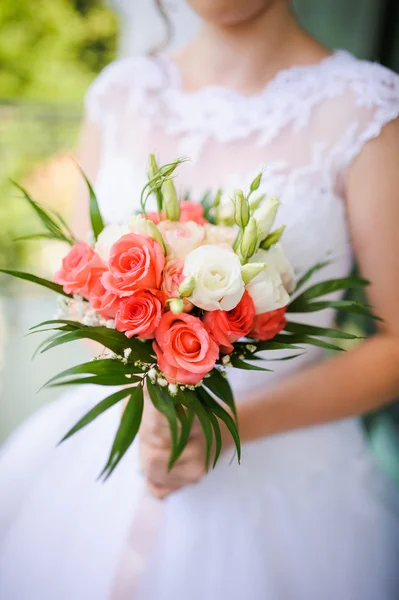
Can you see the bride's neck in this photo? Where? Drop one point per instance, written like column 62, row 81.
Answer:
column 247, row 55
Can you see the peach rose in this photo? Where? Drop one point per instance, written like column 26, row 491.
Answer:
column 139, row 314
column 219, row 235
column 267, row 325
column 103, row 301
column 181, row 238
column 172, row 278
column 226, row 327
column 135, row 263
column 185, row 350
column 192, row 211
column 80, row 268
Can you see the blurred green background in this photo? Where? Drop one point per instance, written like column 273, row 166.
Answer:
column 50, row 51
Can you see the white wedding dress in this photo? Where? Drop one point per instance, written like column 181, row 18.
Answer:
column 308, row 515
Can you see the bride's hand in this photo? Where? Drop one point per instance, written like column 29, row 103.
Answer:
column 155, row 447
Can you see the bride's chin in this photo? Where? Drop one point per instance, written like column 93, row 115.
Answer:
column 229, row 13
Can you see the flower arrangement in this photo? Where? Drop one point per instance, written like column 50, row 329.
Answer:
column 175, row 297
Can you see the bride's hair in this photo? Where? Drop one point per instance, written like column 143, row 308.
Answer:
column 167, row 21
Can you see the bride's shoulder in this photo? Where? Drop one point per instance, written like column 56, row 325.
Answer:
column 362, row 82
column 118, row 81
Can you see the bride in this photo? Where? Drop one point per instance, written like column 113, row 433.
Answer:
column 308, row 515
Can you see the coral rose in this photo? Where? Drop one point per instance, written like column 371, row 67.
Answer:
column 185, row 350
column 267, row 325
column 135, row 263
column 139, row 314
column 226, row 327
column 103, row 301
column 80, row 268
column 192, row 211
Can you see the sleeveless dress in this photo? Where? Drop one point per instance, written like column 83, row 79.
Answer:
column 308, row 515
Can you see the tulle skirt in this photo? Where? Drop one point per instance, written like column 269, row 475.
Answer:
column 307, row 516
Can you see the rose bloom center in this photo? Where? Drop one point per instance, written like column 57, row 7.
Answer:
column 187, row 343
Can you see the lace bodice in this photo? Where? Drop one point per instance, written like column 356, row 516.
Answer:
column 303, row 129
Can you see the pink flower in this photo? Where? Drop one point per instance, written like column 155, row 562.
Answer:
column 192, row 211
column 181, row 238
column 184, row 348
column 140, row 314
column 189, row 211
column 135, row 263
column 103, row 301
column 172, row 278
column 267, row 325
column 226, row 327
column 80, row 268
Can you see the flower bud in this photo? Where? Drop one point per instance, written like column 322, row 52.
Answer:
column 272, row 238
column 251, row 270
column 218, row 196
column 187, row 286
column 254, row 202
column 154, row 232
column 152, row 167
column 241, row 209
column 256, row 182
column 249, row 240
column 171, row 204
column 176, row 305
column 265, row 216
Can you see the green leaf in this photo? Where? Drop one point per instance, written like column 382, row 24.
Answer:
column 218, row 436
column 310, row 341
column 329, row 286
column 301, row 282
column 72, row 324
column 186, row 418
column 223, row 416
column 97, row 223
column 45, row 218
column 303, row 329
column 127, row 431
column 191, row 400
column 163, row 402
column 240, row 364
column 96, row 411
column 36, row 236
column 341, row 305
column 220, row 386
column 106, row 366
column 101, row 335
column 111, row 379
column 38, row 280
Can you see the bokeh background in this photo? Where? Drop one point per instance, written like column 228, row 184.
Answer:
column 50, row 51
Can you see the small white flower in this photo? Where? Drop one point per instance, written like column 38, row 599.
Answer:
column 251, row 347
column 226, row 360
column 173, row 389
column 162, row 382
column 152, row 374
column 127, row 352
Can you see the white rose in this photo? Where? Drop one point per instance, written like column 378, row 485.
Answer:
column 268, row 289
column 107, row 238
column 220, row 235
column 218, row 280
column 181, row 238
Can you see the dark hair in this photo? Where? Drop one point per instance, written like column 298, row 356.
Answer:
column 168, row 29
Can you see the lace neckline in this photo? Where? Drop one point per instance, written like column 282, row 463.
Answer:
column 283, row 76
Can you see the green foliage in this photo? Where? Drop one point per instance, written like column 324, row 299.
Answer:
column 51, row 49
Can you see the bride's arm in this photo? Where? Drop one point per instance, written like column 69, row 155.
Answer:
column 349, row 384
column 367, row 377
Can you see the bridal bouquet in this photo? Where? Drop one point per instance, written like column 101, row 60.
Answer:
column 175, row 297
